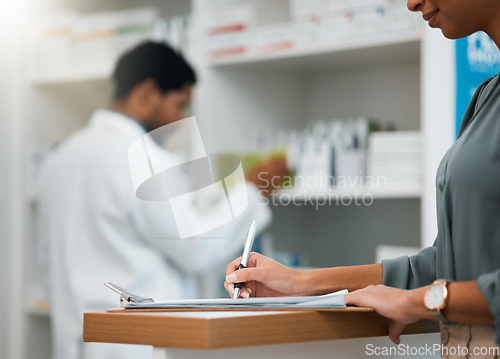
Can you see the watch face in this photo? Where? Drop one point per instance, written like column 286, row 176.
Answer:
column 434, row 298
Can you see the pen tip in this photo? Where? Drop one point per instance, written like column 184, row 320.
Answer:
column 236, row 293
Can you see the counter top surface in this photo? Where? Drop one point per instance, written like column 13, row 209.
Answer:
column 224, row 329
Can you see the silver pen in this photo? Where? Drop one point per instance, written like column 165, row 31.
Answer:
column 244, row 257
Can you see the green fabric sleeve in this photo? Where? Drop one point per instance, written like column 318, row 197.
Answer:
column 410, row 272
column 489, row 284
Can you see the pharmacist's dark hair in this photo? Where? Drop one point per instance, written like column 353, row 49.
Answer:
column 153, row 60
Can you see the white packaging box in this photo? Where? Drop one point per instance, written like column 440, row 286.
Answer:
column 52, row 47
column 93, row 48
column 175, row 31
column 402, row 19
column 350, row 169
column 396, row 168
column 313, row 164
column 229, row 44
column 133, row 27
column 274, row 38
column 399, row 141
column 396, row 157
column 180, row 27
column 391, row 178
column 305, row 10
column 370, row 19
column 306, row 15
column 337, row 25
column 306, row 33
column 229, row 30
column 328, row 6
column 345, row 21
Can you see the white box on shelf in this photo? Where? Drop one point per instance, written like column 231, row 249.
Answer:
column 313, row 169
column 274, row 38
column 52, row 56
column 396, row 157
column 306, row 33
column 306, row 15
column 400, row 19
column 399, row 141
column 334, row 5
column 305, row 10
column 229, row 31
column 99, row 38
column 94, row 48
column 400, row 168
column 350, row 169
column 370, row 19
column 337, row 25
column 344, row 21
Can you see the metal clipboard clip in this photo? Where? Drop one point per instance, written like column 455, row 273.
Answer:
column 126, row 296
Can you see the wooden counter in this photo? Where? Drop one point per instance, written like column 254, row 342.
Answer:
column 226, row 329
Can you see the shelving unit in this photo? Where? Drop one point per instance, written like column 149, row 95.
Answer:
column 406, row 78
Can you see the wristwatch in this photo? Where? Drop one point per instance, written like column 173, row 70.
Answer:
column 436, row 298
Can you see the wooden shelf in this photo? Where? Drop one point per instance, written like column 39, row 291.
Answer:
column 71, row 78
column 369, row 50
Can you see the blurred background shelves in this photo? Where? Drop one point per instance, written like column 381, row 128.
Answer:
column 72, row 47
column 299, row 33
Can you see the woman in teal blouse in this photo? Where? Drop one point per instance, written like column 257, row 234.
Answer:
column 466, row 253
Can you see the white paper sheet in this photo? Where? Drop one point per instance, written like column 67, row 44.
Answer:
column 332, row 300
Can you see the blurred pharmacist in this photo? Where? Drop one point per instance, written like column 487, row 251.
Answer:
column 93, row 227
column 457, row 280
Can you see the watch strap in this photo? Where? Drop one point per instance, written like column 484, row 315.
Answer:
column 439, row 316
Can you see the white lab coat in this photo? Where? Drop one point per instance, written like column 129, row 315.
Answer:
column 95, row 230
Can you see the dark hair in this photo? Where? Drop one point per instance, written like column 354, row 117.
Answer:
column 152, row 60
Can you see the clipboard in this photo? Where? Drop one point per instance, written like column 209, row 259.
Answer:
column 132, row 302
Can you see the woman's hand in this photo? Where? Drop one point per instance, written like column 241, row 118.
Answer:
column 263, row 277
column 398, row 305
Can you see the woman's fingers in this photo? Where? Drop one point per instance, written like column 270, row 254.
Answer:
column 234, row 265
column 245, row 292
column 395, row 330
column 247, row 274
column 229, row 288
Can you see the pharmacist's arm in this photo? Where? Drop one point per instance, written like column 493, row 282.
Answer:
column 466, row 304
